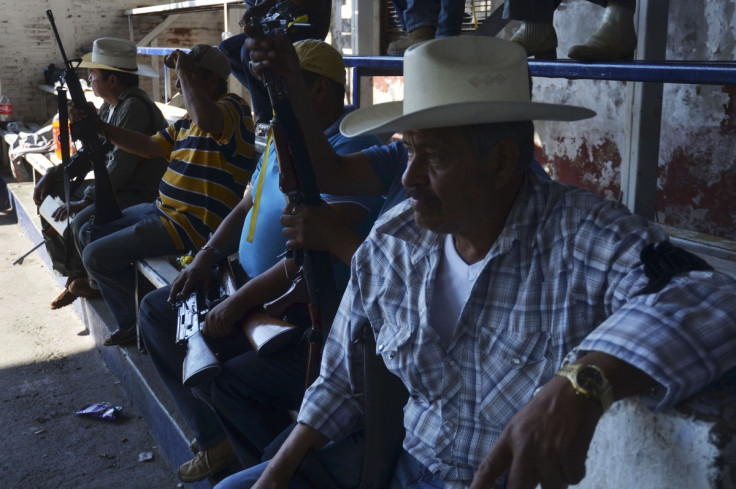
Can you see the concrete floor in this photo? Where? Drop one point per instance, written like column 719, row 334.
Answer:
column 49, row 368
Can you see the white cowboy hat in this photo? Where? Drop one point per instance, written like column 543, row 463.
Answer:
column 457, row 81
column 111, row 53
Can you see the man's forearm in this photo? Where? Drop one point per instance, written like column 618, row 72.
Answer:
column 133, row 142
column 203, row 111
column 626, row 380
column 287, row 460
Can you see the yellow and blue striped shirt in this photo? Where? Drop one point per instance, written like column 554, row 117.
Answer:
column 207, row 173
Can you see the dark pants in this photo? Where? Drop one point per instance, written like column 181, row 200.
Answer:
column 250, row 397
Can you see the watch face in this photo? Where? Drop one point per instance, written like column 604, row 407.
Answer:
column 590, row 379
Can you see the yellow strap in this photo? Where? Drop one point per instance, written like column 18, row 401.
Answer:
column 259, row 189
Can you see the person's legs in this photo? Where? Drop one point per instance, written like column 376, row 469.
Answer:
column 158, row 324
column 109, row 259
column 537, row 33
column 342, row 461
column 615, row 38
column 450, row 21
column 410, row 474
column 252, row 395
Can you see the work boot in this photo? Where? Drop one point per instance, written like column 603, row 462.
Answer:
column 614, row 40
column 208, row 462
column 397, row 48
column 539, row 39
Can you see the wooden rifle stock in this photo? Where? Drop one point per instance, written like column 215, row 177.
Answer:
column 107, row 207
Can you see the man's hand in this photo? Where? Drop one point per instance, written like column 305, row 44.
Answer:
column 276, row 53
column 180, row 61
column 196, row 275
column 310, row 227
column 43, row 186
column 545, row 443
column 220, row 320
column 61, row 213
column 77, row 114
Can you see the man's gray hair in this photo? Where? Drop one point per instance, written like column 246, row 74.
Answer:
column 483, row 137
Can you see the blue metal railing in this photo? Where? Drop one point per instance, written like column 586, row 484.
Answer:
column 688, row 72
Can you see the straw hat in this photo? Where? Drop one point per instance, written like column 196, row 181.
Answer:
column 457, row 81
column 111, row 53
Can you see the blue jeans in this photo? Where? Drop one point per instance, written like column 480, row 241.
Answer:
column 138, row 233
column 446, row 15
column 347, row 456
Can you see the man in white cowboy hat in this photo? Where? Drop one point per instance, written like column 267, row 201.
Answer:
column 211, row 157
column 113, row 76
column 514, row 309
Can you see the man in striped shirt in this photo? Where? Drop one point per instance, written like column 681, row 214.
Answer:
column 211, row 158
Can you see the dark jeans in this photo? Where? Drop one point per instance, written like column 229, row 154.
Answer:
column 251, row 396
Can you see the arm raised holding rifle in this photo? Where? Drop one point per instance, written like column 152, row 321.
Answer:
column 114, row 73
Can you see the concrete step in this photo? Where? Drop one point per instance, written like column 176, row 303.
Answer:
column 132, row 367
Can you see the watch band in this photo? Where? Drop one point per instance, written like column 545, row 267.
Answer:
column 589, row 381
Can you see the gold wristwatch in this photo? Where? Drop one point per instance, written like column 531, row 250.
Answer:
column 589, row 381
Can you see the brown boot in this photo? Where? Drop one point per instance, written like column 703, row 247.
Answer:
column 208, row 462
column 614, row 40
column 539, row 39
column 397, row 48
column 82, row 288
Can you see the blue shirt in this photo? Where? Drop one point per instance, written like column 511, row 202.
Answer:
column 267, row 242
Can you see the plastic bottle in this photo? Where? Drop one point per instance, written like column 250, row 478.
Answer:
column 56, row 134
column 6, row 109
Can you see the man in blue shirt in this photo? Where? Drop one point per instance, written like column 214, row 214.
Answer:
column 253, row 393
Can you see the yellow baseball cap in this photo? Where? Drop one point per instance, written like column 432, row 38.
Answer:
column 321, row 58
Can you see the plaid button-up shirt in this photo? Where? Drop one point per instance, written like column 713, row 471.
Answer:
column 562, row 277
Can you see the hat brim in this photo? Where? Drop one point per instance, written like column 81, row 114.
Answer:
column 389, row 117
column 142, row 70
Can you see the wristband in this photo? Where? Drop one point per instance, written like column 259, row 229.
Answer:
column 215, row 250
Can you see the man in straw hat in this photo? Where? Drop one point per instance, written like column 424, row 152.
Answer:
column 253, row 394
column 211, row 157
column 113, row 76
column 514, row 309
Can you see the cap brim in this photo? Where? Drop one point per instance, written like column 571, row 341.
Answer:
column 389, row 117
column 142, row 70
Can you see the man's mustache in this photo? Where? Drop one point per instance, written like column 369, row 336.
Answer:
column 423, row 195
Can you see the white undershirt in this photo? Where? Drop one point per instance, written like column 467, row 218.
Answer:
column 452, row 287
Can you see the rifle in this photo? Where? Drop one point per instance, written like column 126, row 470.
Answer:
column 107, row 207
column 298, row 183
column 200, row 363
column 261, row 326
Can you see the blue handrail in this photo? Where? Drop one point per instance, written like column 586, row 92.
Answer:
column 687, row 72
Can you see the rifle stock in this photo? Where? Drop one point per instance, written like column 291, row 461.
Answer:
column 107, row 207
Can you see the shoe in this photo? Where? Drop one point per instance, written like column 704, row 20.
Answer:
column 64, row 299
column 614, row 40
column 420, row 34
column 82, row 288
column 120, row 337
column 208, row 462
column 539, row 39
